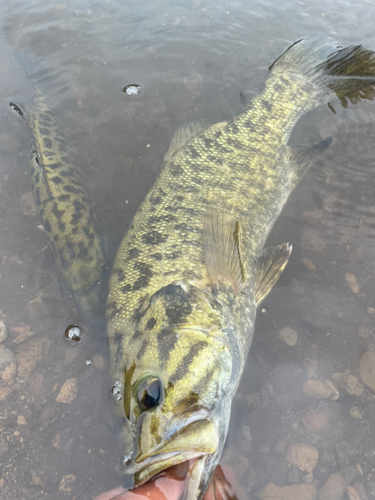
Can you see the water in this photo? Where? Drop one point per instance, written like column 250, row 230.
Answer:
column 192, row 60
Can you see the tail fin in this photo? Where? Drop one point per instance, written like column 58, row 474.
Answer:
column 331, row 69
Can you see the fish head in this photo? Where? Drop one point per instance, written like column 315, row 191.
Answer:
column 178, row 386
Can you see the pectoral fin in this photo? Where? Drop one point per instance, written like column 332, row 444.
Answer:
column 271, row 265
column 221, row 247
column 301, row 158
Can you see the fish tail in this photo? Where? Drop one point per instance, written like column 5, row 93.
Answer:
column 331, row 70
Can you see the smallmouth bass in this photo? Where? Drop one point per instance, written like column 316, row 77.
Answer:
column 63, row 207
column 192, row 269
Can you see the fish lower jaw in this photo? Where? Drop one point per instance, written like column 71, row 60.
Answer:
column 152, row 466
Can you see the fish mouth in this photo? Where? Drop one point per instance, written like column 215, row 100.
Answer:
column 194, row 441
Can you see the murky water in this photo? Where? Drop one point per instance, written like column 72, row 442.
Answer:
column 192, row 60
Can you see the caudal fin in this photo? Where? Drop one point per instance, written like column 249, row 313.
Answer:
column 330, row 69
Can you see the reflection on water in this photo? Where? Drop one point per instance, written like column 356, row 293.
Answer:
column 304, row 409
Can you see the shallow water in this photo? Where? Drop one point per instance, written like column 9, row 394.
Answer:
column 193, row 60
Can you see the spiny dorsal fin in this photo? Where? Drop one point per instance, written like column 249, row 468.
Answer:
column 272, row 264
column 182, row 136
column 301, row 158
column 221, row 248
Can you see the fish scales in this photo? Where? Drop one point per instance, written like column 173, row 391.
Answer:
column 192, row 268
column 64, row 209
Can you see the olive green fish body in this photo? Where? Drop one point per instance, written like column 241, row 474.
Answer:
column 64, row 209
column 192, row 269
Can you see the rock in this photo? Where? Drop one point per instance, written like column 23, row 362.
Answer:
column 364, row 332
column 66, row 483
column 3, row 331
column 355, row 412
column 352, row 282
column 30, row 354
column 27, row 204
column 302, row 456
column 99, row 362
column 334, row 488
column 6, row 358
column 316, row 421
column 288, row 335
column 311, row 242
column 5, row 392
column 21, row 332
column 320, row 389
column 310, row 362
column 349, row 382
column 21, row 420
column 56, row 441
column 35, row 479
column 367, row 369
column 9, row 373
column 4, row 447
column 353, row 493
column 309, row 264
column 327, row 458
column 313, row 217
column 294, row 492
column 68, row 391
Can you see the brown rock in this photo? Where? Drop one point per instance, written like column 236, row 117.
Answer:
column 316, row 421
column 302, row 456
column 367, row 369
column 21, row 332
column 9, row 373
column 3, row 330
column 4, row 392
column 353, row 493
column 27, row 204
column 35, row 479
column 288, row 335
column 294, row 492
column 56, row 441
column 21, row 420
column 308, row 263
column 351, row 384
column 352, row 282
column 364, row 332
column 68, row 391
column 31, row 354
column 319, row 389
column 66, row 483
column 334, row 488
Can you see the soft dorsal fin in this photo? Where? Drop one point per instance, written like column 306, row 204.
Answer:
column 272, row 264
column 182, row 136
column 221, row 248
column 301, row 158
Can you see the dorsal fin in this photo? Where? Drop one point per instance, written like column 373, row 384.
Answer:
column 271, row 265
column 221, row 248
column 182, row 136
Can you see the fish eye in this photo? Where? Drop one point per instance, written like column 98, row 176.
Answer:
column 148, row 392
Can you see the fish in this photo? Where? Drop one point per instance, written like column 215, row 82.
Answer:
column 64, row 208
column 170, row 485
column 192, row 268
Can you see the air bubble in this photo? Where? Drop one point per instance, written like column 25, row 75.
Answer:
column 132, row 89
column 73, row 332
column 264, row 310
column 127, row 459
column 115, row 390
column 88, row 362
column 118, row 397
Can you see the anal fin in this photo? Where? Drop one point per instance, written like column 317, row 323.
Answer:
column 221, row 247
column 272, row 264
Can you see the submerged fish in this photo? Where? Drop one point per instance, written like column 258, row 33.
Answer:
column 191, row 270
column 63, row 208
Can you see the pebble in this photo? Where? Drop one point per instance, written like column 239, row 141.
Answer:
column 364, row 332
column 66, row 483
column 6, row 358
column 3, row 331
column 320, row 389
column 349, row 382
column 288, row 335
column 4, row 447
column 353, row 493
column 99, row 362
column 68, row 391
column 27, row 204
column 56, row 441
column 31, row 354
column 334, row 488
column 309, row 264
column 9, row 373
column 366, row 369
column 316, row 421
column 352, row 282
column 294, row 492
column 302, row 456
column 35, row 479
column 21, row 332
column 4, row 392
column 21, row 420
